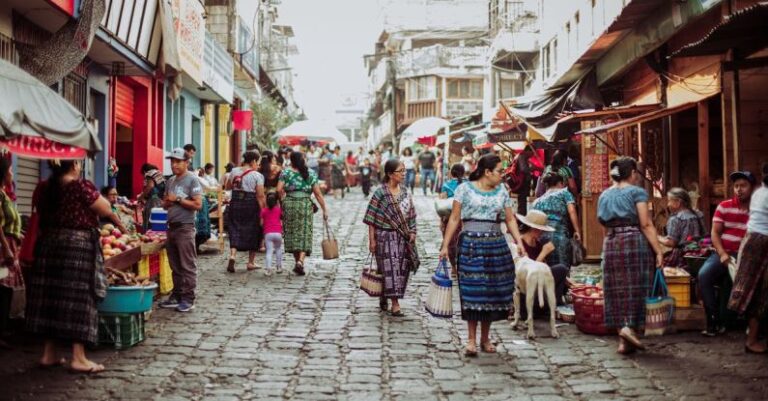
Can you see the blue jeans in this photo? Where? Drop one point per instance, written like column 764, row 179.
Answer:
column 410, row 178
column 427, row 174
column 712, row 273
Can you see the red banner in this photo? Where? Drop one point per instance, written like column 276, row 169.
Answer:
column 68, row 6
column 242, row 120
column 41, row 148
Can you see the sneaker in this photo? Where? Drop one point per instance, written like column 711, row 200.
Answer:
column 279, row 270
column 268, row 272
column 170, row 303
column 185, row 306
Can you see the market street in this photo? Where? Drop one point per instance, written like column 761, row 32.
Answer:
column 319, row 337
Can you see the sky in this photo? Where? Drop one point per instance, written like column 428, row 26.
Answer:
column 332, row 36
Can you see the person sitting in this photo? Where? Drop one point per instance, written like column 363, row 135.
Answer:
column 684, row 223
column 123, row 212
column 538, row 248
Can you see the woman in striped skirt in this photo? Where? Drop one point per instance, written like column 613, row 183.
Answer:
column 628, row 253
column 297, row 184
column 242, row 215
column 485, row 266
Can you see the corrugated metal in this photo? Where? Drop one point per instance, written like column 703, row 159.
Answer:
column 27, row 176
column 124, row 104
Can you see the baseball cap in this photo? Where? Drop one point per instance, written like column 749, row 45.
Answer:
column 743, row 175
column 178, row 154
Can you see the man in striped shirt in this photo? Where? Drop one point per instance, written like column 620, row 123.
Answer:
column 729, row 226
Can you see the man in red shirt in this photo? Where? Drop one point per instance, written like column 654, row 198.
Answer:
column 729, row 226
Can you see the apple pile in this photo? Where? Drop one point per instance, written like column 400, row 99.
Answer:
column 153, row 236
column 114, row 242
column 594, row 292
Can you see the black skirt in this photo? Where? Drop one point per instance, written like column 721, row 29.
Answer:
column 243, row 221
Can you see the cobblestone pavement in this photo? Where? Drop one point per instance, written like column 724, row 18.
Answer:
column 319, row 338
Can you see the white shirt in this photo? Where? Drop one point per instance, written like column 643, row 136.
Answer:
column 758, row 212
column 250, row 181
column 408, row 162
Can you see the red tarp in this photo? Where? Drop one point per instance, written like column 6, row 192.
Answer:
column 427, row 140
column 41, row 148
column 242, row 120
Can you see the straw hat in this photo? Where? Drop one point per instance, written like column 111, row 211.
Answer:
column 535, row 219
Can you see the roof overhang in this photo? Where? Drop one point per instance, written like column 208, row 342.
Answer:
column 743, row 31
column 641, row 119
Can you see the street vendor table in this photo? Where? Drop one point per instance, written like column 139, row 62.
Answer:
column 125, row 260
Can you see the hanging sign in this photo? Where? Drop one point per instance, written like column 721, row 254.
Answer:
column 514, row 135
column 41, row 148
column 242, row 120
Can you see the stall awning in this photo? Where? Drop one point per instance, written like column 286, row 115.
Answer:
column 37, row 122
column 744, row 31
column 541, row 113
column 628, row 122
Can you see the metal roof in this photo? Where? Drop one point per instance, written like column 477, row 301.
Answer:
column 745, row 31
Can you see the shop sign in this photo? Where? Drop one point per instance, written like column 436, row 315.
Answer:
column 218, row 70
column 508, row 136
column 41, row 148
column 68, row 6
column 189, row 25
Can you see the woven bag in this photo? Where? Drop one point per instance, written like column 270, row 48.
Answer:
column 439, row 300
column 659, row 307
column 371, row 281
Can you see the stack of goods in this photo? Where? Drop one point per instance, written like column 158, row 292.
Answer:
column 695, row 253
column 679, row 285
column 114, row 242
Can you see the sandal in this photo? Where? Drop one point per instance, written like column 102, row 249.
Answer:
column 470, row 352
column 627, row 335
column 397, row 313
column 299, row 269
column 94, row 369
column 251, row 267
column 488, row 347
column 231, row 266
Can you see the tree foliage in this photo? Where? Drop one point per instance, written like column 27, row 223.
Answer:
column 268, row 118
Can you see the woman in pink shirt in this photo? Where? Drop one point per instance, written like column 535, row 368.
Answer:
column 272, row 218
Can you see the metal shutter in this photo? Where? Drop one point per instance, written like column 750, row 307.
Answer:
column 124, row 104
column 27, row 177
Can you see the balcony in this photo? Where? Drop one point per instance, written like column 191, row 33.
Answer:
column 439, row 59
column 421, row 109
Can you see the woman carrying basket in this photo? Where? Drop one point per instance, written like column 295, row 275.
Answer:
column 391, row 220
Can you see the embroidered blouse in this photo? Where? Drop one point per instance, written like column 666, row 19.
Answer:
column 482, row 205
column 293, row 181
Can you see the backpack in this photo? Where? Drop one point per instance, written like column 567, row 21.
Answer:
column 237, row 182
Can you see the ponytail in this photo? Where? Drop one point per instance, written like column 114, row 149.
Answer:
column 297, row 162
column 52, row 191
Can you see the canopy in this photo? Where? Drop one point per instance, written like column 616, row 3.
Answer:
column 36, row 122
column 310, row 131
column 743, row 31
column 421, row 129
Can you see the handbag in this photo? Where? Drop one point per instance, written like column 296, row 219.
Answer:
column 330, row 245
column 577, row 252
column 659, row 307
column 27, row 251
column 443, row 207
column 439, row 300
column 371, row 281
column 315, row 208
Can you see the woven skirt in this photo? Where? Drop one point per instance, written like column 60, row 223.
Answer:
column 628, row 267
column 750, row 288
column 392, row 262
column 486, row 276
column 297, row 224
column 243, row 224
column 61, row 293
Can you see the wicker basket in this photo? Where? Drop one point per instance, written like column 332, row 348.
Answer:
column 590, row 312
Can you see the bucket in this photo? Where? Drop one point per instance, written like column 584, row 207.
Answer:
column 129, row 299
column 158, row 214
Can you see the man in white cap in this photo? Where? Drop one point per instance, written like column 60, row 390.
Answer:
column 182, row 200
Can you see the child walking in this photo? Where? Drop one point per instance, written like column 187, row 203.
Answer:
column 272, row 217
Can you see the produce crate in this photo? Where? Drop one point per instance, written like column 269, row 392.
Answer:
column 125, row 260
column 590, row 312
column 695, row 263
column 679, row 289
column 688, row 319
column 135, row 299
column 151, row 248
column 121, row 330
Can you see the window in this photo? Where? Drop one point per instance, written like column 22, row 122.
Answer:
column 423, row 88
column 465, row 89
column 509, row 88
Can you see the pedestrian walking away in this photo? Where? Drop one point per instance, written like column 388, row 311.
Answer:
column 272, row 217
column 750, row 287
column 67, row 279
column 560, row 206
column 448, row 191
column 183, row 198
column 427, row 161
column 242, row 217
column 729, row 227
column 297, row 184
column 410, row 168
column 629, row 247
column 366, row 177
column 485, row 266
column 391, row 220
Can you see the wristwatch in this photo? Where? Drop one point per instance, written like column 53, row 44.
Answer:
column 177, row 201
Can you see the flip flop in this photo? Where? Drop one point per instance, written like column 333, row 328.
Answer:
column 397, row 313
column 627, row 335
column 470, row 353
column 251, row 267
column 60, row 362
column 488, row 347
column 92, row 370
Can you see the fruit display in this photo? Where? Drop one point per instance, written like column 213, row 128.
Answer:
column 153, row 236
column 114, row 242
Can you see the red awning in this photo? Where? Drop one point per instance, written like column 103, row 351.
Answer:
column 41, row 148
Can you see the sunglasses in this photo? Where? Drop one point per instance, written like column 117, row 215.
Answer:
column 400, row 171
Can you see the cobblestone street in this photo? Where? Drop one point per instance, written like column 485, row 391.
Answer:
column 319, row 337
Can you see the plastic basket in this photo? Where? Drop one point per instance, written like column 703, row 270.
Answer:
column 135, row 299
column 121, row 330
column 590, row 312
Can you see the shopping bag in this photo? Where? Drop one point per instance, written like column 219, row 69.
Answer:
column 659, row 307
column 371, row 281
column 165, row 276
column 439, row 302
column 577, row 252
column 330, row 245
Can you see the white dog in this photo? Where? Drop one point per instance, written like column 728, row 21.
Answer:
column 532, row 276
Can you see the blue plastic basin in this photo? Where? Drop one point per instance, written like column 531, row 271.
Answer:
column 135, row 299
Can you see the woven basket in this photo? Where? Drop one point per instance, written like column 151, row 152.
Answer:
column 590, row 312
